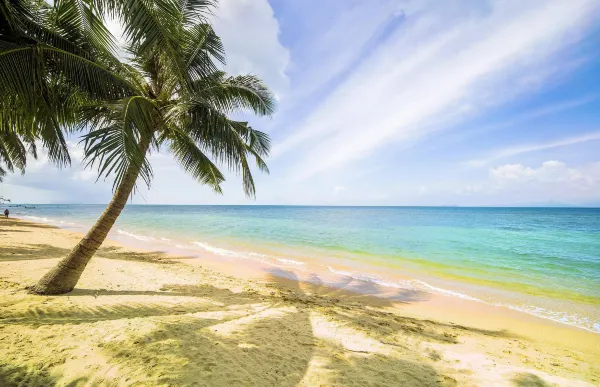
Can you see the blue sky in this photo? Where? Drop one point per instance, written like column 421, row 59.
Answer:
column 391, row 102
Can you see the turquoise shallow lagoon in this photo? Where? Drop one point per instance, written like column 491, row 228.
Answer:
column 544, row 261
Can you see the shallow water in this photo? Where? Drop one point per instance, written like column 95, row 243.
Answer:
column 544, row 261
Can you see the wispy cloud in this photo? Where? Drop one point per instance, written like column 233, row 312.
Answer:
column 520, row 149
column 438, row 65
column 325, row 51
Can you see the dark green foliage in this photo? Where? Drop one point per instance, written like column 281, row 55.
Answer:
column 61, row 70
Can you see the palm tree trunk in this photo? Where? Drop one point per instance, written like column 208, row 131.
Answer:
column 64, row 276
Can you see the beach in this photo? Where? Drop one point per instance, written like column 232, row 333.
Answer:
column 150, row 318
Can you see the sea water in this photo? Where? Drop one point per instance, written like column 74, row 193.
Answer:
column 543, row 261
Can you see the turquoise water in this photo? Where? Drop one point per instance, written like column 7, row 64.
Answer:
column 544, row 261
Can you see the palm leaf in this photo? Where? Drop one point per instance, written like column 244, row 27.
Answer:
column 235, row 94
column 114, row 143
column 194, row 161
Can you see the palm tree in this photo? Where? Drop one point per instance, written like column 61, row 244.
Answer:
column 50, row 57
column 178, row 101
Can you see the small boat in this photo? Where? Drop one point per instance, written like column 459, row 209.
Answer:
column 29, row 207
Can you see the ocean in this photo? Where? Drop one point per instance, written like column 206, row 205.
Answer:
column 542, row 261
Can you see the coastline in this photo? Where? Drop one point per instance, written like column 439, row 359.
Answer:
column 500, row 343
column 485, row 257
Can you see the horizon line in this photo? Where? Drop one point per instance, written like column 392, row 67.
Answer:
column 574, row 206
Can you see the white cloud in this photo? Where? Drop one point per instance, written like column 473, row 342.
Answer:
column 45, row 182
column 549, row 172
column 421, row 76
column 552, row 181
column 249, row 32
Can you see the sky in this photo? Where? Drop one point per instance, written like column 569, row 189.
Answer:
column 397, row 102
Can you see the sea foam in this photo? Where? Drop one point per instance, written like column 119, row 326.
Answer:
column 416, row 284
column 136, row 236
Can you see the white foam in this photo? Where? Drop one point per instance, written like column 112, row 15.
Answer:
column 282, row 260
column 136, row 236
column 560, row 317
column 290, row 261
column 216, row 250
column 341, row 272
column 372, row 279
column 446, row 292
column 39, row 218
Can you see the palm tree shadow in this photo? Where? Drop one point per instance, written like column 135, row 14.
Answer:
column 22, row 224
column 348, row 308
column 31, row 252
column 270, row 345
column 206, row 335
column 380, row 370
column 21, row 375
column 526, row 379
column 196, row 298
column 351, row 288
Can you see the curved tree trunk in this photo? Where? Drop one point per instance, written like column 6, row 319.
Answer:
column 64, row 276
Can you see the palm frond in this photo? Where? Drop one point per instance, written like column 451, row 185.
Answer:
column 79, row 23
column 114, row 143
column 228, row 142
column 196, row 11
column 194, row 161
column 235, row 94
column 37, row 62
column 200, row 46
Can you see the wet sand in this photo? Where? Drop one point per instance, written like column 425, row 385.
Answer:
column 149, row 318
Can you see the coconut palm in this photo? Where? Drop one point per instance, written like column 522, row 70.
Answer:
column 50, row 57
column 177, row 101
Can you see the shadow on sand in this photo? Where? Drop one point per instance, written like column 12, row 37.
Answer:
column 527, row 379
column 216, row 337
column 201, row 335
column 32, row 251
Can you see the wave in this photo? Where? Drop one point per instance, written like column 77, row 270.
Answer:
column 41, row 219
column 136, row 236
column 38, row 218
column 373, row 279
column 282, row 260
column 146, row 238
column 266, row 259
column 216, row 250
column 290, row 261
column 415, row 284
column 446, row 292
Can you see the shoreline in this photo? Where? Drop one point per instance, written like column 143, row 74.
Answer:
column 338, row 271
column 499, row 344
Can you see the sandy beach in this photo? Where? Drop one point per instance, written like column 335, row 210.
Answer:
column 147, row 318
